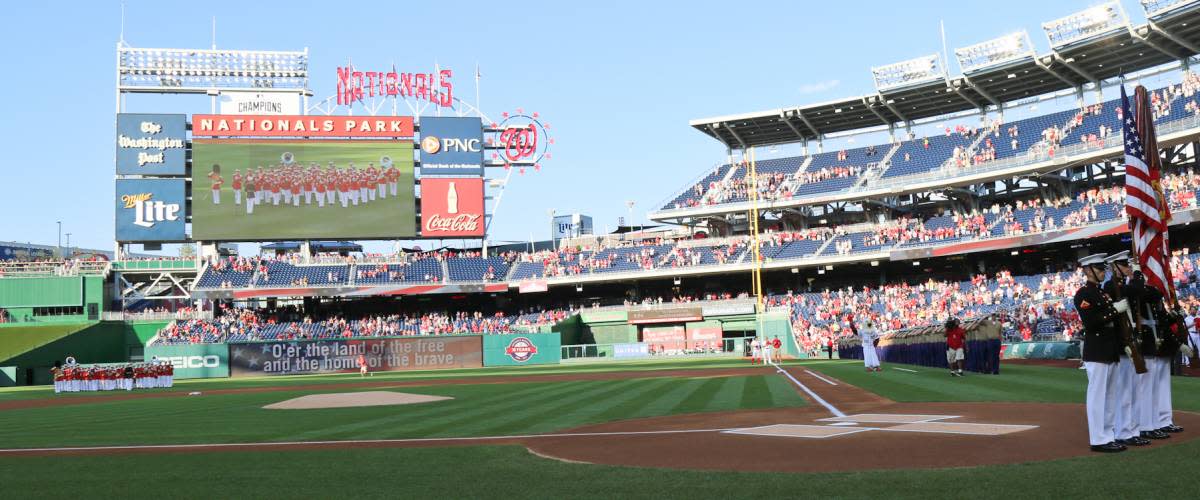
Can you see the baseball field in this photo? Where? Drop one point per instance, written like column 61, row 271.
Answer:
column 379, row 217
column 687, row 429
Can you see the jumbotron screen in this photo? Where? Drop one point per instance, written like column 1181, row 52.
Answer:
column 253, row 190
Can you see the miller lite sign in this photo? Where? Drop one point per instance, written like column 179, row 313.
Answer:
column 452, row 207
column 150, row 210
column 451, row 145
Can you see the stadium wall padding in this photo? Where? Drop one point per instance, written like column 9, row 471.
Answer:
column 614, row 334
column 1041, row 350
column 194, row 360
column 341, row 355
column 103, row 342
column 41, row 292
column 509, row 350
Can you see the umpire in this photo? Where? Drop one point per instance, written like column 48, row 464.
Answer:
column 1100, row 355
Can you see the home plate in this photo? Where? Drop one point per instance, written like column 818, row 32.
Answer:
column 795, row 430
column 961, row 428
column 887, row 418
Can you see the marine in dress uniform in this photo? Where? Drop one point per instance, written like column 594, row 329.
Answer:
column 1100, row 355
column 1132, row 387
column 1159, row 345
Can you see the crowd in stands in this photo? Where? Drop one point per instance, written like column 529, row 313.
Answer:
column 248, row 325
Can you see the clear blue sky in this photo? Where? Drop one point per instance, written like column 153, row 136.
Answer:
column 617, row 80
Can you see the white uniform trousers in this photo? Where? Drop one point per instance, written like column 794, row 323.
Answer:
column 1101, row 402
column 1133, row 398
column 1162, row 392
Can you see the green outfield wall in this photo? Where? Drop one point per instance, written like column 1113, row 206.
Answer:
column 520, row 350
column 193, row 360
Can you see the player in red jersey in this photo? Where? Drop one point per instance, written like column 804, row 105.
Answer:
column 215, row 177
column 237, row 187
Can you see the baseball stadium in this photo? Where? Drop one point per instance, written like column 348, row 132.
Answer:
column 976, row 278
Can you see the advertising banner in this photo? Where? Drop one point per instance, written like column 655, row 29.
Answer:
column 672, row 315
column 571, row 226
column 630, row 351
column 301, row 126
column 151, row 144
column 533, row 286
column 258, row 103
column 334, row 356
column 193, row 360
column 150, row 210
column 524, row 349
column 731, row 308
column 672, row 338
column 451, row 207
column 451, row 145
column 704, row 337
column 264, row 189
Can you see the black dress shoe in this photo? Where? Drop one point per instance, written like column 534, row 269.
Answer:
column 1108, row 448
column 1134, row 441
column 1172, row 428
column 1155, row 434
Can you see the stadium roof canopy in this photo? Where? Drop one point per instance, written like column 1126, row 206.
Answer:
column 1082, row 52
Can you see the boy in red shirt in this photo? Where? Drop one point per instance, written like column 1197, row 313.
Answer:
column 955, row 339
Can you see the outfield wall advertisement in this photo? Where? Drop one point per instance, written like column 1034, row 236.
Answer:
column 150, row 210
column 193, row 360
column 151, row 144
column 337, row 356
column 271, row 189
column 518, row 350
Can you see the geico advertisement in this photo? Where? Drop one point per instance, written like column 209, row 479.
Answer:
column 334, row 356
column 193, row 360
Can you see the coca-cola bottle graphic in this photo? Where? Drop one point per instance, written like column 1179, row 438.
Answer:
column 451, row 199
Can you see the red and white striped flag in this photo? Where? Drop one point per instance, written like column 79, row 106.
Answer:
column 1145, row 203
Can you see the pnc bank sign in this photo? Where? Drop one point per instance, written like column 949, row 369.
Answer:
column 451, row 145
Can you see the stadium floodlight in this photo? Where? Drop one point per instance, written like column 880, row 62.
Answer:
column 995, row 52
column 201, row 70
column 1157, row 8
column 908, row 73
column 1093, row 22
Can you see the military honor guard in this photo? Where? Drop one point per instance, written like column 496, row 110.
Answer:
column 1132, row 388
column 1100, row 355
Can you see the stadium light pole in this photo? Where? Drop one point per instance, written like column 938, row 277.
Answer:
column 59, row 238
column 69, row 243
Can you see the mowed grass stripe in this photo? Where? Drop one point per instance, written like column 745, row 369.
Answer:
column 639, row 402
column 754, row 393
column 672, row 398
column 783, row 392
column 563, row 413
column 457, row 414
column 404, row 416
column 699, row 398
column 729, row 395
column 621, row 406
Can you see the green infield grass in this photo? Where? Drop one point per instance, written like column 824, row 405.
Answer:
column 534, row 407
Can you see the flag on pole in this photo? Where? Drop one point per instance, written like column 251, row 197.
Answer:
column 1145, row 204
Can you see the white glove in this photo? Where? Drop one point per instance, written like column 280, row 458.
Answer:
column 1128, row 352
column 1121, row 305
column 1186, row 350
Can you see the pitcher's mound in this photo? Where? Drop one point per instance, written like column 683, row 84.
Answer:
column 352, row 400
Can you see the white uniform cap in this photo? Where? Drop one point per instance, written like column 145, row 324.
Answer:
column 1119, row 257
column 1092, row 260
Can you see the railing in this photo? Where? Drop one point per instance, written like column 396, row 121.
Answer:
column 154, row 265
column 741, row 301
column 156, row 315
column 733, row 347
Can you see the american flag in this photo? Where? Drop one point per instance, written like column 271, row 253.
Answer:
column 1144, row 200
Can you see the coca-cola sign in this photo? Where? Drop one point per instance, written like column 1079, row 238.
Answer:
column 458, row 223
column 452, row 207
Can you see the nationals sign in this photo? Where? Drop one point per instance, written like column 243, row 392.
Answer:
column 451, row 207
column 301, row 126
